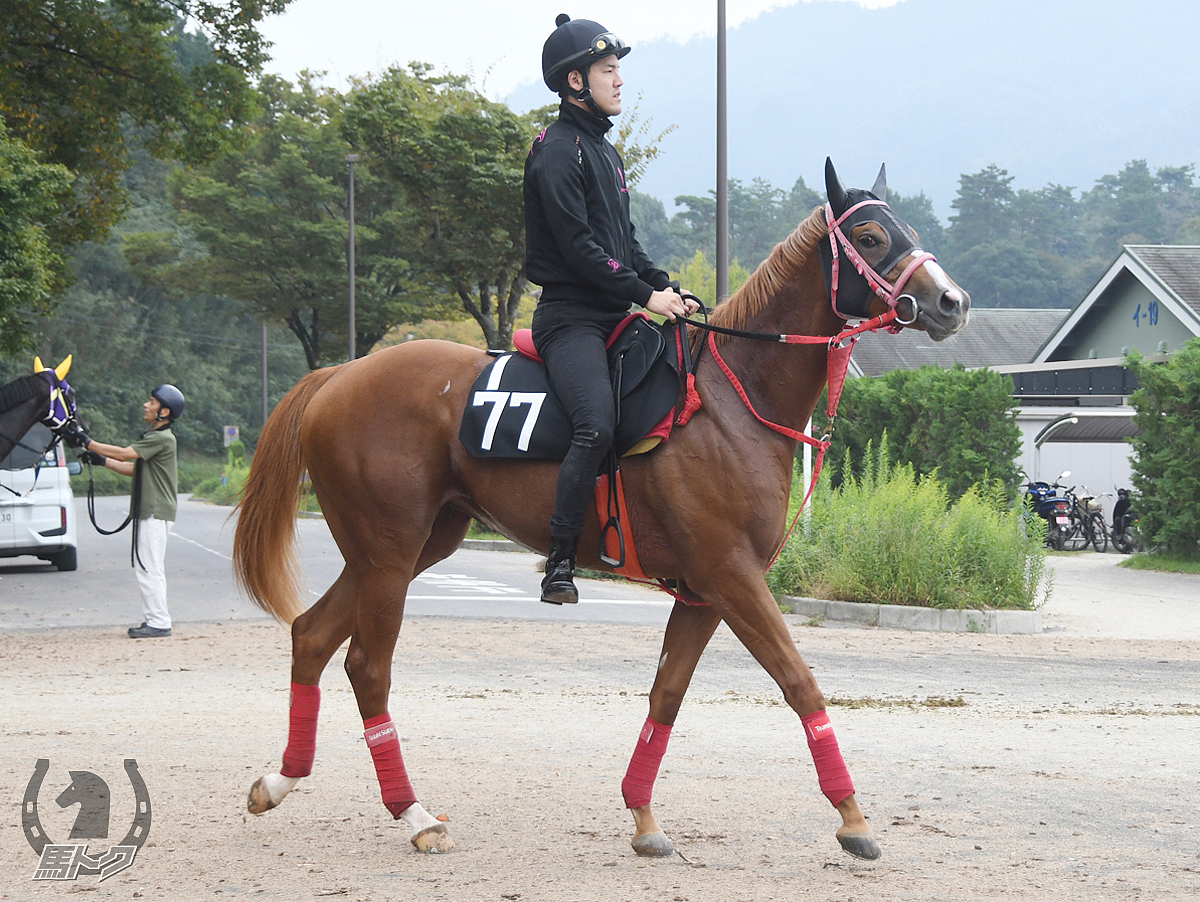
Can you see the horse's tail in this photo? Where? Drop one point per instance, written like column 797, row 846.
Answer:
column 264, row 557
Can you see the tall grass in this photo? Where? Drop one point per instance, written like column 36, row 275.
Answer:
column 894, row 539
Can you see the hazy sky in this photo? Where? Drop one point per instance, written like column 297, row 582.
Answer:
column 498, row 43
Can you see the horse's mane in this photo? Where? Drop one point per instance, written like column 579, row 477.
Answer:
column 19, row 391
column 781, row 266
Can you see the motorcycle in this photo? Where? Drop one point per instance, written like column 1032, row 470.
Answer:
column 1124, row 523
column 1054, row 510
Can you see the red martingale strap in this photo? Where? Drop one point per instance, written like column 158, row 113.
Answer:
column 840, row 346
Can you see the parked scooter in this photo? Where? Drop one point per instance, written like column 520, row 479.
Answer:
column 1054, row 510
column 1124, row 523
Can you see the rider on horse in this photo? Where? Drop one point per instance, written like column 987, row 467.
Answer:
column 580, row 247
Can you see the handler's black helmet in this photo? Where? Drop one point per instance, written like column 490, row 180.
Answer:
column 576, row 44
column 169, row 396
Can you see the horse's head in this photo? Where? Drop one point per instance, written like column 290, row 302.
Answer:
column 61, row 407
column 872, row 262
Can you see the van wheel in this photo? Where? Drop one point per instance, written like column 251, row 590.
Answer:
column 67, row 559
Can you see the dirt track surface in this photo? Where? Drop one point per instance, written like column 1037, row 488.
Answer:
column 1067, row 772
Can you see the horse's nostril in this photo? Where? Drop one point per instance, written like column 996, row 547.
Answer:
column 950, row 302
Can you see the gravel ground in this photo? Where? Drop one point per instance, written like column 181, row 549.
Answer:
column 992, row 767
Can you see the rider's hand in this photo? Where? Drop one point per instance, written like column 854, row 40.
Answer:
column 669, row 304
column 91, row 457
column 74, row 436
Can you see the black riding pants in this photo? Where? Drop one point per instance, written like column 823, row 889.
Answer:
column 578, row 364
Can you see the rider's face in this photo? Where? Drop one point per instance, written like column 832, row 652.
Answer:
column 604, row 78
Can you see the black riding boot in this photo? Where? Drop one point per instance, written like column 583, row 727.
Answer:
column 558, row 586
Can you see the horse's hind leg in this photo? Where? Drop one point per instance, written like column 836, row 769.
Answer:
column 369, row 666
column 689, row 629
column 316, row 635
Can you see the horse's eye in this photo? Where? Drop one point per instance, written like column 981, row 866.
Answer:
column 868, row 241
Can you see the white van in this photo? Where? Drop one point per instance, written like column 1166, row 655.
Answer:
column 37, row 506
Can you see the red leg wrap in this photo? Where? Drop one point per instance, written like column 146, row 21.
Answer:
column 832, row 774
column 384, row 744
column 638, row 785
column 302, row 731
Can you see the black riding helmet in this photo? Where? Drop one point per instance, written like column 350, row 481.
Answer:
column 576, row 44
column 169, row 396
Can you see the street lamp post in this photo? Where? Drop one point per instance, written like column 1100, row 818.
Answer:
column 722, row 161
column 352, row 158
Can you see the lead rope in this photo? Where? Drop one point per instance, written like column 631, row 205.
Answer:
column 135, row 558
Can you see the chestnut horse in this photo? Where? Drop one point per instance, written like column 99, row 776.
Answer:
column 43, row 396
column 379, row 438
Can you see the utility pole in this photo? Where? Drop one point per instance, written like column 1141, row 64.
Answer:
column 722, row 161
column 352, row 158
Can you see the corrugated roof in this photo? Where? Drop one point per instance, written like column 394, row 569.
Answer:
column 992, row 337
column 1178, row 266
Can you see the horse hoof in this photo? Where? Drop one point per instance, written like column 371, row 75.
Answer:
column 653, row 845
column 434, row 840
column 259, row 799
column 860, row 845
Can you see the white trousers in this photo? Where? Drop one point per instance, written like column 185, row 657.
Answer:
column 152, row 550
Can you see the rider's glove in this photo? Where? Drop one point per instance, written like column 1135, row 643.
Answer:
column 92, row 457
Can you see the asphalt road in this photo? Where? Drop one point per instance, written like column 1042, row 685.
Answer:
column 103, row 592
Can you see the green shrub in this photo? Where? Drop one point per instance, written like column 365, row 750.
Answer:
column 889, row 537
column 1166, row 467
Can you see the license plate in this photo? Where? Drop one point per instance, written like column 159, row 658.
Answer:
column 1062, row 521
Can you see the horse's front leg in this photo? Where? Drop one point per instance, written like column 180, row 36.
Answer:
column 688, row 631
column 754, row 616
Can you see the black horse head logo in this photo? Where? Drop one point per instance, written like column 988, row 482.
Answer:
column 91, row 794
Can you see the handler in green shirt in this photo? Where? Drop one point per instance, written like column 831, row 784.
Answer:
column 151, row 461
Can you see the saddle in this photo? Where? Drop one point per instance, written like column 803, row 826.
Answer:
column 512, row 411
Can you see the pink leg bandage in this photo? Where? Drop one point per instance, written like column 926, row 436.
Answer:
column 384, row 743
column 638, row 785
column 302, row 731
column 832, row 775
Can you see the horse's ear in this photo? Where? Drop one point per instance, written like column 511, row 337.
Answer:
column 834, row 189
column 63, row 368
column 879, row 189
column 37, row 365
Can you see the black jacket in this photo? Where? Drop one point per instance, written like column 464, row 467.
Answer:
column 579, row 241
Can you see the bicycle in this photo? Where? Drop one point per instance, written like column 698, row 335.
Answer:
column 1087, row 521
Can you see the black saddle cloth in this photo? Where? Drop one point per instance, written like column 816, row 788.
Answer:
column 512, row 411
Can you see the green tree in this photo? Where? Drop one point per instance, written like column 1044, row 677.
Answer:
column 73, row 73
column 459, row 158
column 127, row 336
column 272, row 217
column 700, row 277
column 83, row 83
column 1128, row 205
column 984, row 206
column 31, row 195
column 667, row 241
column 960, row 424
column 1166, row 468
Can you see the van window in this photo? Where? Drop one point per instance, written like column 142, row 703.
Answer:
column 22, row 458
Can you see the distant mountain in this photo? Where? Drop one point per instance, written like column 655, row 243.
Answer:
column 1054, row 91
